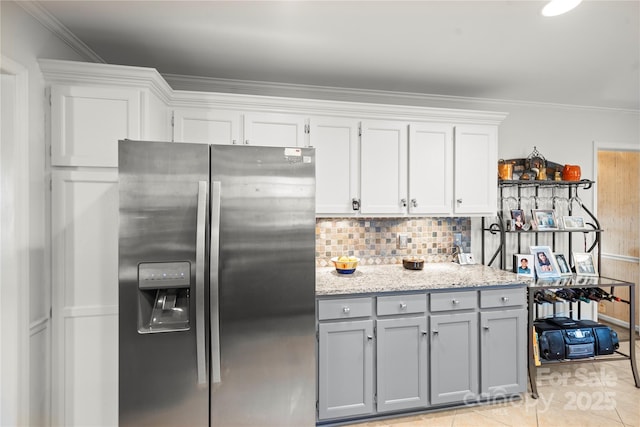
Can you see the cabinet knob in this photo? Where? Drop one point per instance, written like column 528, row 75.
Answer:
column 435, row 332
column 355, row 204
column 459, row 201
column 403, row 202
column 486, row 327
column 505, row 299
column 246, row 142
column 424, row 332
column 414, row 203
column 369, row 337
column 455, row 302
column 403, row 306
column 346, row 310
column 234, row 141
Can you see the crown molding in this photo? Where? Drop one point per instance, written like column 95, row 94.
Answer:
column 74, row 73
column 246, row 87
column 35, row 9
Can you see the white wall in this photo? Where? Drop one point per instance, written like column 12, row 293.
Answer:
column 24, row 40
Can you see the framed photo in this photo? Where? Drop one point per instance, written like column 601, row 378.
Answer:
column 523, row 265
column 563, row 265
column 517, row 219
column 545, row 263
column 584, row 264
column 573, row 223
column 544, row 219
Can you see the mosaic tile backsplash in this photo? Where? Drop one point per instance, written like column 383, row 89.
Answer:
column 374, row 240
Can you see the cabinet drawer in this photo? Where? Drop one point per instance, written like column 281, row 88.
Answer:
column 453, row 301
column 344, row 308
column 502, row 297
column 401, row 304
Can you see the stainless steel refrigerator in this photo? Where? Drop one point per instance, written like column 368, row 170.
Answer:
column 216, row 285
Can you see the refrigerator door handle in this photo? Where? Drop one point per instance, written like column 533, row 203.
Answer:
column 200, row 264
column 215, row 282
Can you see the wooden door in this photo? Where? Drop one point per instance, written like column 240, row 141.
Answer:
column 618, row 212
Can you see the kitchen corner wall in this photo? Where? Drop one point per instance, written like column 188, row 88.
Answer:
column 374, row 240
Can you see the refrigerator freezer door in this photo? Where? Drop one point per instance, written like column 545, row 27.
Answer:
column 265, row 298
column 159, row 381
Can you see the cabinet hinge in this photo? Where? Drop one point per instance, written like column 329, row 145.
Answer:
column 318, row 336
column 307, row 129
column 360, row 130
column 317, row 407
column 375, row 332
column 50, row 184
column 375, row 398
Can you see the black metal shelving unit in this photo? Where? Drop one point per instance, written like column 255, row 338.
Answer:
column 498, row 227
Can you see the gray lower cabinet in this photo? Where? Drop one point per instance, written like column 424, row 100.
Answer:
column 345, row 366
column 454, row 357
column 503, row 352
column 401, row 364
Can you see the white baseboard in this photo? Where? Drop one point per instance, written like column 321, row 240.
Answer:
column 617, row 322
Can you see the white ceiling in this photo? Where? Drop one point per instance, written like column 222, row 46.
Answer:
column 485, row 49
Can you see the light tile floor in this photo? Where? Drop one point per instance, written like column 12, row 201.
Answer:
column 581, row 395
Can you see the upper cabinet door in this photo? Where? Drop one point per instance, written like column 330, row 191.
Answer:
column 87, row 122
column 430, row 168
column 207, row 126
column 475, row 179
column 336, row 143
column 383, row 167
column 279, row 130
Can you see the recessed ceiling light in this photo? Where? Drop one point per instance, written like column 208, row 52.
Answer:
column 558, row 7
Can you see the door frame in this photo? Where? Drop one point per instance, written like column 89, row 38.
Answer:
column 14, row 252
column 613, row 146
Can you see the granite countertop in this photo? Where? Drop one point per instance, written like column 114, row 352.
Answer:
column 395, row 278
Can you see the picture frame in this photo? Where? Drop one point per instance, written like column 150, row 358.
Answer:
column 583, row 262
column 523, row 265
column 544, row 219
column 573, row 223
column 545, row 262
column 563, row 265
column 518, row 219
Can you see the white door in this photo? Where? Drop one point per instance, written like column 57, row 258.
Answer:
column 87, row 122
column 85, row 297
column 430, row 168
column 207, row 126
column 383, row 167
column 278, row 130
column 475, row 169
column 337, row 168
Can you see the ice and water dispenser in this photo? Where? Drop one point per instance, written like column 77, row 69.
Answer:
column 163, row 296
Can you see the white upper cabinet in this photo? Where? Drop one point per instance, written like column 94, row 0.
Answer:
column 475, row 170
column 430, row 168
column 87, row 122
column 279, row 130
column 207, row 126
column 383, row 167
column 336, row 143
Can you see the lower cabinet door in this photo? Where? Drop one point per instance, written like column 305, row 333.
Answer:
column 401, row 350
column 503, row 352
column 454, row 358
column 345, row 369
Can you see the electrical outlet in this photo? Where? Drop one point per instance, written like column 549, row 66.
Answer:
column 403, row 241
column 457, row 239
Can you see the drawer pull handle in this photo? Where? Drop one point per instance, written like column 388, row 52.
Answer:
column 455, row 302
column 346, row 310
column 403, row 306
column 505, row 299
